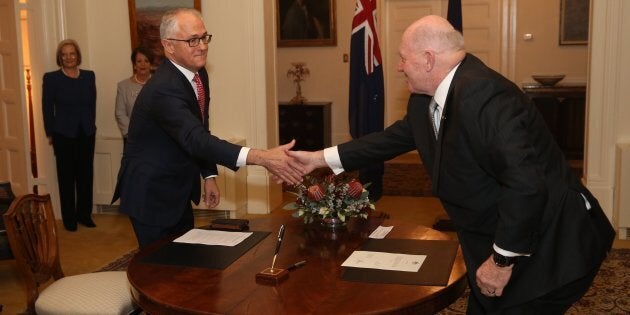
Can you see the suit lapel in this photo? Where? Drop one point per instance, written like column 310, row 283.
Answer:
column 203, row 74
column 444, row 123
column 437, row 157
column 193, row 104
column 418, row 112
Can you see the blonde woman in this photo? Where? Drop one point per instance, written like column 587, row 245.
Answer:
column 69, row 107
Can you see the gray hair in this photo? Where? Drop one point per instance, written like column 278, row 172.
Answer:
column 170, row 23
column 438, row 39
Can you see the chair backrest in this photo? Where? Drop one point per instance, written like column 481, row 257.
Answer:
column 30, row 225
column 6, row 197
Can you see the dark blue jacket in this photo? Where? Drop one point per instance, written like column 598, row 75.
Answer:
column 168, row 148
column 69, row 104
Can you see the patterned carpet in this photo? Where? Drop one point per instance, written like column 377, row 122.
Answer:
column 121, row 263
column 407, row 177
column 609, row 293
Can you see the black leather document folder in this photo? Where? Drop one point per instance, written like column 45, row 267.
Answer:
column 435, row 270
column 202, row 256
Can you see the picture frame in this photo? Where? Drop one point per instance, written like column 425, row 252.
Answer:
column 574, row 16
column 145, row 17
column 318, row 28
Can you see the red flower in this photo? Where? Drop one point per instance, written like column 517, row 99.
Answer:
column 315, row 192
column 355, row 188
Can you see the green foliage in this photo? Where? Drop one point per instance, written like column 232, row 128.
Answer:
column 331, row 197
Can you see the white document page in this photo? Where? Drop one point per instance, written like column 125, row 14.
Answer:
column 212, row 237
column 381, row 232
column 384, row 261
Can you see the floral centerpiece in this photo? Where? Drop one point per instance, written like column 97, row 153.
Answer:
column 331, row 197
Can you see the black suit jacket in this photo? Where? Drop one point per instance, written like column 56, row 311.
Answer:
column 168, row 148
column 69, row 104
column 501, row 178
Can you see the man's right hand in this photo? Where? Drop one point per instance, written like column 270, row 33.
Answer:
column 309, row 160
column 284, row 167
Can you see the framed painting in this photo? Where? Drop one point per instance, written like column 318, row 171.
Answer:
column 574, row 22
column 303, row 23
column 145, row 17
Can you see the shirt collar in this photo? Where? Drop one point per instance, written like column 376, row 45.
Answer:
column 442, row 89
column 187, row 73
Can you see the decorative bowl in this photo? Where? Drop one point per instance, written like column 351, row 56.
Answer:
column 548, row 80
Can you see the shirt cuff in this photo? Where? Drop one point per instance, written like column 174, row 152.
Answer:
column 209, row 176
column 242, row 157
column 507, row 253
column 331, row 156
column 588, row 204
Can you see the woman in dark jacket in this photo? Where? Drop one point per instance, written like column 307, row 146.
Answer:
column 69, row 106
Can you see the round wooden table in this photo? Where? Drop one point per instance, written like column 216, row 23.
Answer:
column 315, row 288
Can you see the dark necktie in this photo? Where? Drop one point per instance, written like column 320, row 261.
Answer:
column 201, row 94
column 434, row 112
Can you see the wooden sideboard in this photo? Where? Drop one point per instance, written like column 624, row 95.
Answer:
column 562, row 107
column 308, row 124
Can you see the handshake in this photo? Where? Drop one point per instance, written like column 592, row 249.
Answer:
column 285, row 165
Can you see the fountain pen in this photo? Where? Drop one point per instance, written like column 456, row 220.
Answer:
column 280, row 236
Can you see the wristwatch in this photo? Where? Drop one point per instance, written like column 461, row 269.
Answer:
column 503, row 261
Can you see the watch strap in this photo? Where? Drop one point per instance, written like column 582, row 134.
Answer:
column 503, row 261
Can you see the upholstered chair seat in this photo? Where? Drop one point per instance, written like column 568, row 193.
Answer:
column 104, row 292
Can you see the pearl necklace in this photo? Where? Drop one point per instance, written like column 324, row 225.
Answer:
column 71, row 76
column 141, row 82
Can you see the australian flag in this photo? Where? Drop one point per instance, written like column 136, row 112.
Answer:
column 366, row 109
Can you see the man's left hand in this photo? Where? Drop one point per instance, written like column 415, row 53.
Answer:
column 492, row 279
column 212, row 195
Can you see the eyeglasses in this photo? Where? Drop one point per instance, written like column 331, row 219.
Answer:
column 193, row 42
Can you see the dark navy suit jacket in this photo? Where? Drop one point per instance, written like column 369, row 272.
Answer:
column 168, row 148
column 502, row 179
column 69, row 104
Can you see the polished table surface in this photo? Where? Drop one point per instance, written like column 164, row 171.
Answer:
column 315, row 288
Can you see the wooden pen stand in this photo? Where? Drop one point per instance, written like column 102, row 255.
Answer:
column 272, row 276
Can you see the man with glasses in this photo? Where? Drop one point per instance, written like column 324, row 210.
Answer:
column 169, row 145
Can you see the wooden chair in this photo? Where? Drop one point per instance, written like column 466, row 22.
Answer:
column 31, row 228
column 6, row 197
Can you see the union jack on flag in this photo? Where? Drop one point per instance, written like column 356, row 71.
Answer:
column 365, row 20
